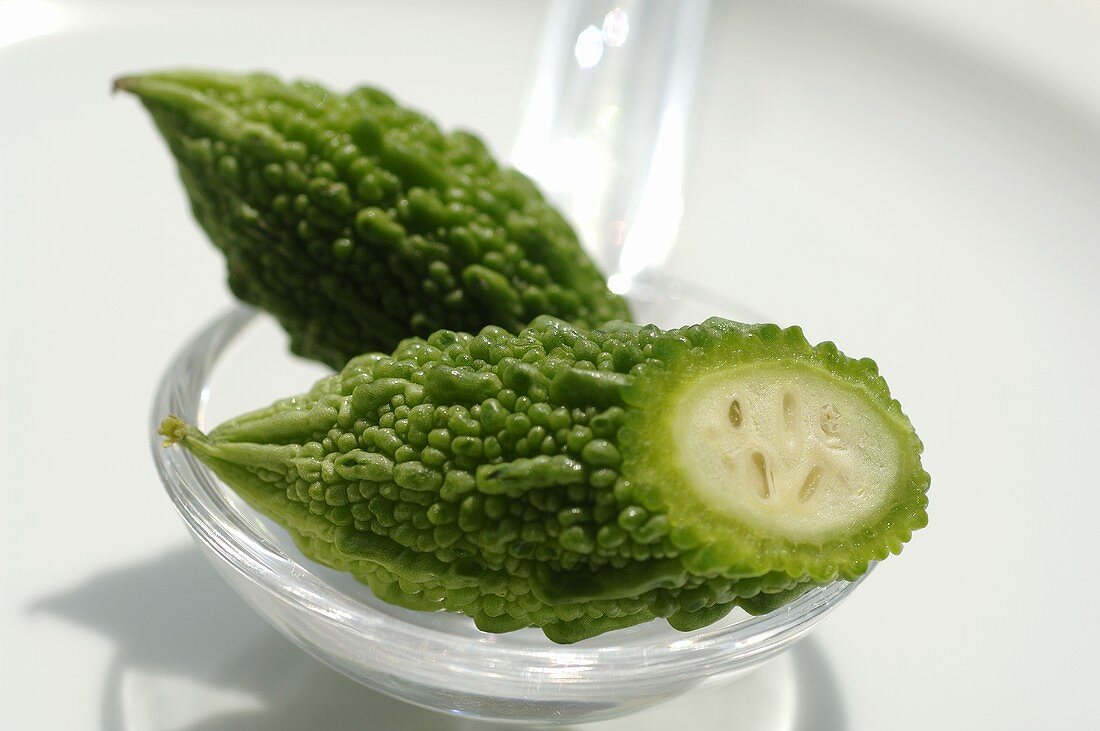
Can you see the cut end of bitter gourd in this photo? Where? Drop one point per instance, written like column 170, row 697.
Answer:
column 786, row 449
column 780, row 457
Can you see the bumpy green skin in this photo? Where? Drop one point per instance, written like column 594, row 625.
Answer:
column 520, row 480
column 357, row 222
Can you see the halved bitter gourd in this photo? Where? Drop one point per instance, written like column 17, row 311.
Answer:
column 581, row 481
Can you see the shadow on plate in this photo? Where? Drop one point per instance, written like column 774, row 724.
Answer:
column 191, row 656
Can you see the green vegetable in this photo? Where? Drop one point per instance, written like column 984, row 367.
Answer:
column 584, row 481
column 357, row 222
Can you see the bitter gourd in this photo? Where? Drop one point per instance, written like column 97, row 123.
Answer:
column 357, row 222
column 583, row 481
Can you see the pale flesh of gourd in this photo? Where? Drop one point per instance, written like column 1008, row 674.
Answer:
column 784, row 450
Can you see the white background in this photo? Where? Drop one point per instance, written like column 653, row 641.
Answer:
column 919, row 182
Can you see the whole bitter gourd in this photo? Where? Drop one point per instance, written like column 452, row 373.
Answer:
column 357, row 222
column 583, row 481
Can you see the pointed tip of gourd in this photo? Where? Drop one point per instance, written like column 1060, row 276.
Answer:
column 124, row 83
column 173, row 429
column 145, row 86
